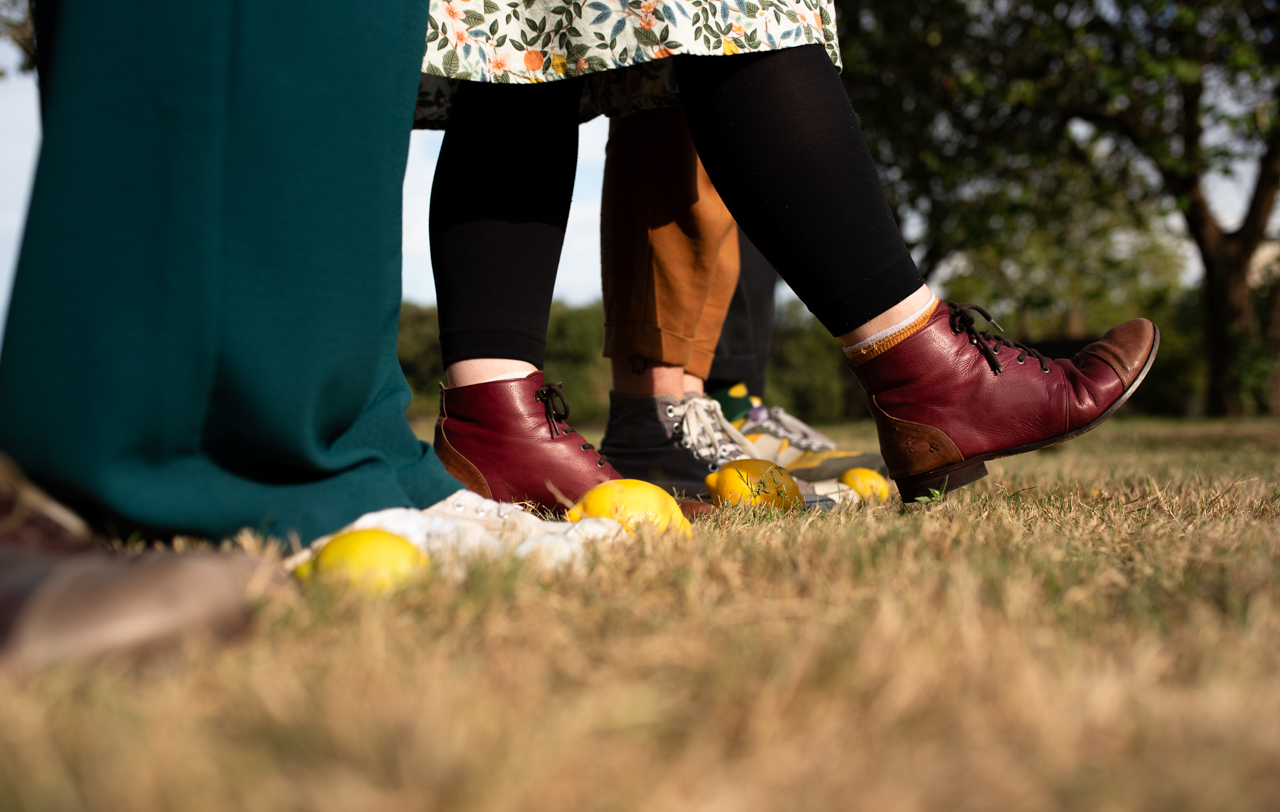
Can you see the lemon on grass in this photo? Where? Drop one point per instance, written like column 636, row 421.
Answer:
column 631, row 503
column 868, row 484
column 376, row 560
column 754, row 482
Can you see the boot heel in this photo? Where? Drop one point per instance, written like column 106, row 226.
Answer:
column 911, row 487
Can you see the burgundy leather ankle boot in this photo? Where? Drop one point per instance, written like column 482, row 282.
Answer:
column 950, row 397
column 509, row 440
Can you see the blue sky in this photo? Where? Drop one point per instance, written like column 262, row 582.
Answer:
column 578, row 280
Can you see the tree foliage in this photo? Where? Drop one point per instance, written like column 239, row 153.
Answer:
column 575, row 336
column 15, row 25
column 1073, row 276
column 980, row 110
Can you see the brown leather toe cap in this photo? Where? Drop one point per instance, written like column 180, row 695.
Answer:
column 1126, row 348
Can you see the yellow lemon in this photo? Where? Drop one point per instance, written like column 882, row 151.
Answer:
column 305, row 570
column 373, row 559
column 754, row 482
column 631, row 503
column 868, row 484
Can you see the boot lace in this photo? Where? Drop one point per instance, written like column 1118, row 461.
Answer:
column 556, row 406
column 990, row 345
column 705, row 431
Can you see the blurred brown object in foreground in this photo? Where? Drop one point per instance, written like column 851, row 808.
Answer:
column 63, row 598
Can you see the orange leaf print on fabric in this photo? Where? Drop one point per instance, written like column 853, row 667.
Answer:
column 625, row 45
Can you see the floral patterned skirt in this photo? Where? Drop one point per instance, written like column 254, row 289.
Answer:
column 620, row 45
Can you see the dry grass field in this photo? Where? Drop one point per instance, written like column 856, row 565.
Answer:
column 1094, row 628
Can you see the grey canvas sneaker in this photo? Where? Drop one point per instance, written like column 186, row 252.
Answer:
column 672, row 442
column 806, row 453
column 776, row 422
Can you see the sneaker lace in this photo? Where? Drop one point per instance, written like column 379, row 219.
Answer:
column 706, row 432
column 777, row 422
column 556, row 406
column 987, row 344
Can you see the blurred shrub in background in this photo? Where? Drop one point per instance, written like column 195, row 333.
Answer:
column 807, row 375
column 575, row 336
column 419, row 353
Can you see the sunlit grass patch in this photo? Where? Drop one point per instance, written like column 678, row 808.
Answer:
column 1092, row 627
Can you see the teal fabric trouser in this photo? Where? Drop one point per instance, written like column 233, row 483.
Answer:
column 203, row 326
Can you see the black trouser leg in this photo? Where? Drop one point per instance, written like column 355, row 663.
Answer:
column 496, row 236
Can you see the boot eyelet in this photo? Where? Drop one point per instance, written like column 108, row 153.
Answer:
column 711, row 468
column 1021, row 360
column 599, row 463
column 671, row 411
column 1045, row 371
column 585, row 446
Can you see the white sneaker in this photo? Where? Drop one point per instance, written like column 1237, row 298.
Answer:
column 780, row 437
column 512, row 523
column 708, row 434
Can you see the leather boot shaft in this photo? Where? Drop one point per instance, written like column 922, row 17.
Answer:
column 510, row 440
column 950, row 396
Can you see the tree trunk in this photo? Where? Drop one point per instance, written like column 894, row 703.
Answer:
column 1229, row 323
column 1273, row 344
column 1073, row 325
column 1222, row 396
column 1229, row 327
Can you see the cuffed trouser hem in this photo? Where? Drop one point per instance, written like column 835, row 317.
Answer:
column 637, row 339
column 696, row 352
column 716, row 309
column 669, row 253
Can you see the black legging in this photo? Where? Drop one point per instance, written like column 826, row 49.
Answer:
column 778, row 137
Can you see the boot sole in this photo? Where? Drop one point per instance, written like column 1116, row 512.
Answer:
column 959, row 474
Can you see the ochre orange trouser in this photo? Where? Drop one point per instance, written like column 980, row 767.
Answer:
column 668, row 245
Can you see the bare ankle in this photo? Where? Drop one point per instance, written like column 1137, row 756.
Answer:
column 640, row 377
column 902, row 310
column 482, row 370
